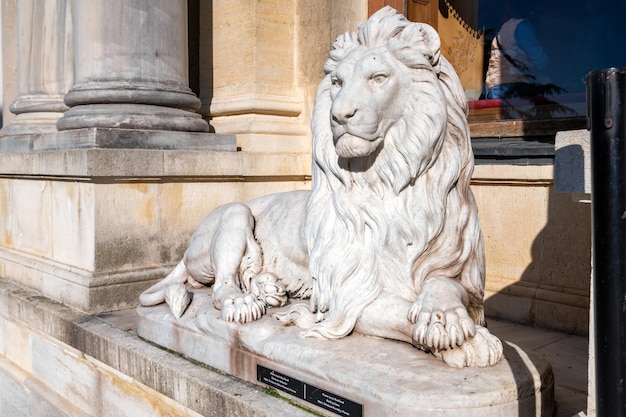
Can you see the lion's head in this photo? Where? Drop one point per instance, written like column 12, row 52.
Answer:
column 392, row 163
column 368, row 89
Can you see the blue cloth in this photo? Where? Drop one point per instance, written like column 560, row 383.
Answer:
column 527, row 40
column 499, row 91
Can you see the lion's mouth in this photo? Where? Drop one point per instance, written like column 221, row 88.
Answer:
column 365, row 132
column 352, row 146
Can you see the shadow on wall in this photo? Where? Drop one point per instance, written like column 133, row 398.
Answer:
column 553, row 290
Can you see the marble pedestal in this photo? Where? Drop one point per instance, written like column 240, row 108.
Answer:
column 354, row 376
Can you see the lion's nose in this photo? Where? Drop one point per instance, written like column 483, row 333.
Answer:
column 342, row 116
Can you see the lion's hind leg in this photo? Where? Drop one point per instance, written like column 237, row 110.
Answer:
column 237, row 260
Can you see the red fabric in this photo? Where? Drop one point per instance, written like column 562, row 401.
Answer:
column 525, row 101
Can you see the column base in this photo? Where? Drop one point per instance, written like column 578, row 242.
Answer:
column 32, row 124
column 132, row 116
column 36, row 114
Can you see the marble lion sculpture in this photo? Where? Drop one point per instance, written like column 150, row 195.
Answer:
column 387, row 243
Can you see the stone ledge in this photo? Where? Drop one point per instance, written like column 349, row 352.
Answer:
column 193, row 386
column 108, row 138
column 89, row 291
column 524, row 175
column 142, row 165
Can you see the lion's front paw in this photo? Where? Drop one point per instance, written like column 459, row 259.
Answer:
column 484, row 349
column 440, row 326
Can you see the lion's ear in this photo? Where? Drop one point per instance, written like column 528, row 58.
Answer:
column 426, row 40
column 383, row 25
column 342, row 45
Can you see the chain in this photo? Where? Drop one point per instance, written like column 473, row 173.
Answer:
column 475, row 33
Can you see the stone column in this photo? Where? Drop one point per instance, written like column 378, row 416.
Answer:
column 132, row 67
column 45, row 67
column 251, row 89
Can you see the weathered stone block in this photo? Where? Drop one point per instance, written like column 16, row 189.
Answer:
column 23, row 395
column 572, row 163
column 73, row 231
column 6, row 214
column 19, row 350
column 65, row 371
column 533, row 252
column 2, row 336
column 32, row 227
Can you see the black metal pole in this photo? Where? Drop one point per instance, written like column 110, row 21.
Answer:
column 606, row 112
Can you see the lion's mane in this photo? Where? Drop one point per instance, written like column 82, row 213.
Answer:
column 391, row 220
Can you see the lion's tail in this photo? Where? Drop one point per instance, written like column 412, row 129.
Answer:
column 300, row 315
column 156, row 293
column 336, row 325
column 316, row 324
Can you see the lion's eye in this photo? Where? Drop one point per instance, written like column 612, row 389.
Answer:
column 336, row 82
column 379, row 78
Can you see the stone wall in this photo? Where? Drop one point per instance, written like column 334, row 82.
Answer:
column 92, row 228
column 537, row 246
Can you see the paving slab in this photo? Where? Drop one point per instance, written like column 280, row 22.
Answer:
column 568, row 355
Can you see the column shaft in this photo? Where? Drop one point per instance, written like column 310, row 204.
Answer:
column 45, row 67
column 132, row 67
